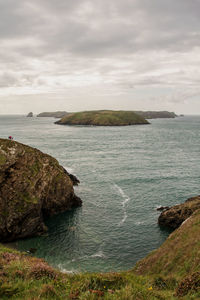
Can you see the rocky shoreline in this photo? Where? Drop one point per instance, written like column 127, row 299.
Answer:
column 173, row 217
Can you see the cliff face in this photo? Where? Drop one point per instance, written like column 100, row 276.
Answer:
column 32, row 184
column 174, row 216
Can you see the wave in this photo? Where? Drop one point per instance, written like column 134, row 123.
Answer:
column 98, row 254
column 124, row 219
column 139, row 223
column 125, row 200
column 65, row 271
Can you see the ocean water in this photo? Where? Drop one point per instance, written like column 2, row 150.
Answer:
column 125, row 174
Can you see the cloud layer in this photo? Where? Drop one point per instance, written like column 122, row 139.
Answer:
column 80, row 54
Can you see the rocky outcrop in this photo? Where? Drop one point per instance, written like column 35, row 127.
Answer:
column 174, row 216
column 32, row 185
column 30, row 115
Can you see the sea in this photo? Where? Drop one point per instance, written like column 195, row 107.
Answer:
column 125, row 174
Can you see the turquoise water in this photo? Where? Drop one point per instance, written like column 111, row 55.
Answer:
column 125, row 173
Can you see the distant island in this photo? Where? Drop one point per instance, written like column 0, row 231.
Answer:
column 103, row 118
column 156, row 114
column 30, row 115
column 55, row 114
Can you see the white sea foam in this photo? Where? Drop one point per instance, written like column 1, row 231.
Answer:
column 65, row 271
column 97, row 254
column 125, row 200
column 124, row 219
column 139, row 222
column 69, row 170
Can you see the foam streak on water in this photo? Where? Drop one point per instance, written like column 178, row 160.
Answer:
column 125, row 200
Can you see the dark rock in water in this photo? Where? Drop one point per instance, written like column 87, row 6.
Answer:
column 73, row 178
column 32, row 185
column 176, row 215
column 30, row 115
column 161, row 208
column 32, row 250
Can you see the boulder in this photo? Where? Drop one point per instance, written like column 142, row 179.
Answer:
column 32, row 185
column 30, row 115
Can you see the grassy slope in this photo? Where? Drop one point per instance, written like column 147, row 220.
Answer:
column 103, row 118
column 161, row 275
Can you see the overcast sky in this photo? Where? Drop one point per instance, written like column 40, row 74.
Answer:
column 78, row 55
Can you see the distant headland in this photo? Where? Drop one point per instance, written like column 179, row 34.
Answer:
column 156, row 114
column 103, row 118
column 55, row 114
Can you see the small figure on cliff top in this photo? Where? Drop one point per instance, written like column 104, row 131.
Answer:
column 10, row 137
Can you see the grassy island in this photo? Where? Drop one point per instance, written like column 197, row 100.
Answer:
column 103, row 118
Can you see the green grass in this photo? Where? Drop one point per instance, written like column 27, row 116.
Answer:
column 103, row 118
column 170, row 272
column 162, row 275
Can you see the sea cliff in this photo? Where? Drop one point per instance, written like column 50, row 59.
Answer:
column 32, row 185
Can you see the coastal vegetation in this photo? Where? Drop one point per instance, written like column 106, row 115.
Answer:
column 103, row 118
column 170, row 272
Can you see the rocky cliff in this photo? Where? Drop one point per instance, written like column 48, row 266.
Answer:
column 32, row 185
column 174, row 216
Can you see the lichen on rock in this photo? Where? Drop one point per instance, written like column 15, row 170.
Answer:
column 32, row 185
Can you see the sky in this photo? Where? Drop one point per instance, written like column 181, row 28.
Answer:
column 79, row 55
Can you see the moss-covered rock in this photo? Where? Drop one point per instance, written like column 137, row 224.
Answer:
column 32, row 184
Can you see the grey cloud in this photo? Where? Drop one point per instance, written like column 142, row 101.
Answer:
column 125, row 42
column 104, row 28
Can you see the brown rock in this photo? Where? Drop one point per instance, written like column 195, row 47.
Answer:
column 176, row 215
column 32, row 185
